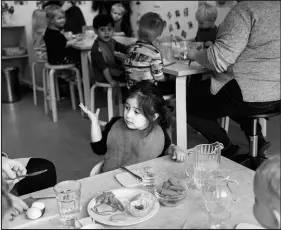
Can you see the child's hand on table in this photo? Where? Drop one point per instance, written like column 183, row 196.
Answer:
column 178, row 154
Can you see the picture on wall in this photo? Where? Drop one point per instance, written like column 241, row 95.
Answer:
column 222, row 4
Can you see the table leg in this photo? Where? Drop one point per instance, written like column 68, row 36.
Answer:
column 86, row 77
column 181, row 112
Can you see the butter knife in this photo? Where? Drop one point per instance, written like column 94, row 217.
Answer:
column 135, row 175
column 32, row 174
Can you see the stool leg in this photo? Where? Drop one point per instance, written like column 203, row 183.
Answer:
column 57, row 88
column 79, row 87
column 254, row 140
column 34, row 83
column 92, row 106
column 53, row 95
column 120, row 104
column 263, row 122
column 72, row 95
column 110, row 103
column 44, row 76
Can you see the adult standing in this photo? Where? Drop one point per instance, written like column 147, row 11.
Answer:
column 74, row 17
column 246, row 58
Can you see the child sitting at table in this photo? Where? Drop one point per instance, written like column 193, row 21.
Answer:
column 103, row 60
column 140, row 135
column 122, row 23
column 206, row 16
column 144, row 62
column 267, row 193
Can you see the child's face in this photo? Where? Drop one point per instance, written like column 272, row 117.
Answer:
column 105, row 33
column 59, row 20
column 204, row 24
column 133, row 117
column 116, row 14
column 262, row 210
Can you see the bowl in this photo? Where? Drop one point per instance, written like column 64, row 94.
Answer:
column 171, row 200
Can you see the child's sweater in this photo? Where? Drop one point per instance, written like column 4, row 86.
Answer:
column 122, row 146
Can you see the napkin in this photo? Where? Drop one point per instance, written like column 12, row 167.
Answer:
column 84, row 221
column 248, row 226
column 128, row 180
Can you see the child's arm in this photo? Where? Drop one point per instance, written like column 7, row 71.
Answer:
column 178, row 154
column 118, row 34
column 108, row 77
column 121, row 48
column 156, row 67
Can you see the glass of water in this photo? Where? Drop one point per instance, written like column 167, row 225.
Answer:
column 218, row 217
column 149, row 178
column 68, row 194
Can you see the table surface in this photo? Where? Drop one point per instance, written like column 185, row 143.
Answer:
column 191, row 208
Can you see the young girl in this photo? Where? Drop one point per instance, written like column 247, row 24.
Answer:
column 139, row 135
column 122, row 24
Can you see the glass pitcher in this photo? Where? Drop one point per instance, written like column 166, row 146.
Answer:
column 165, row 45
column 217, row 190
column 206, row 158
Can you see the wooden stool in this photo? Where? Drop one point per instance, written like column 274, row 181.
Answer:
column 50, row 79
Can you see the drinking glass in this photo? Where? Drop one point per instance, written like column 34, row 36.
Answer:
column 149, row 178
column 207, row 158
column 218, row 217
column 185, row 46
column 68, row 194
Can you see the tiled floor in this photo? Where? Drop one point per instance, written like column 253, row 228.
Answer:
column 27, row 131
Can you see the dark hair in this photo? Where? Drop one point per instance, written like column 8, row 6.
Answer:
column 58, row 3
column 102, row 20
column 151, row 101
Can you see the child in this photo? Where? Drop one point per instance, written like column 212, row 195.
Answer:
column 267, row 193
column 144, row 61
column 56, row 43
column 206, row 16
column 138, row 136
column 122, row 23
column 103, row 60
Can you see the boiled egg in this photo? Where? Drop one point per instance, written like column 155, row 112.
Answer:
column 38, row 205
column 33, row 213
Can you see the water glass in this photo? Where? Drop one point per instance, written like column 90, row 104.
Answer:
column 218, row 217
column 68, row 194
column 149, row 178
column 207, row 158
column 185, row 46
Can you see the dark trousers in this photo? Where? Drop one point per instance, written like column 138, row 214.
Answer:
column 204, row 108
column 38, row 182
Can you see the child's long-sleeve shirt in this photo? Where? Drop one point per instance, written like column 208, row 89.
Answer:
column 122, row 146
column 102, row 56
column 144, row 62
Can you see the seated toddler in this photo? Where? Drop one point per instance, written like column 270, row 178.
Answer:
column 103, row 60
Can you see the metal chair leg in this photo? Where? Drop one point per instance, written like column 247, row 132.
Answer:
column 53, row 95
column 34, row 83
column 110, row 103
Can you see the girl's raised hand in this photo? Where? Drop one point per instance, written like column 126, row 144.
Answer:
column 94, row 117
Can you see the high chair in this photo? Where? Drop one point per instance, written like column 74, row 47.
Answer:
column 109, row 95
column 50, row 81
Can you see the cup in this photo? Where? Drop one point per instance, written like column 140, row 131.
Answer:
column 149, row 178
column 185, row 46
column 206, row 158
column 68, row 194
column 218, row 217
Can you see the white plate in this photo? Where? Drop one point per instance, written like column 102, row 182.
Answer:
column 124, row 195
column 248, row 226
column 128, row 180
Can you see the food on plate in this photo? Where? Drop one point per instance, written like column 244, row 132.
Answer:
column 172, row 188
column 140, row 205
column 106, row 203
column 38, row 205
column 118, row 217
column 33, row 213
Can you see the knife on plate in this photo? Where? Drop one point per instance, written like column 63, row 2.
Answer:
column 32, row 174
column 135, row 175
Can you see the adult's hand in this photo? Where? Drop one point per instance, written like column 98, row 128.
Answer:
column 192, row 52
column 19, row 206
column 11, row 169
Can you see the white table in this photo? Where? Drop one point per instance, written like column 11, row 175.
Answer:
column 167, row 217
column 181, row 70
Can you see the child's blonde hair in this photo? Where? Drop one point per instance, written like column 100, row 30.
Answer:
column 151, row 25
column 268, row 177
column 120, row 7
column 206, row 12
column 51, row 12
